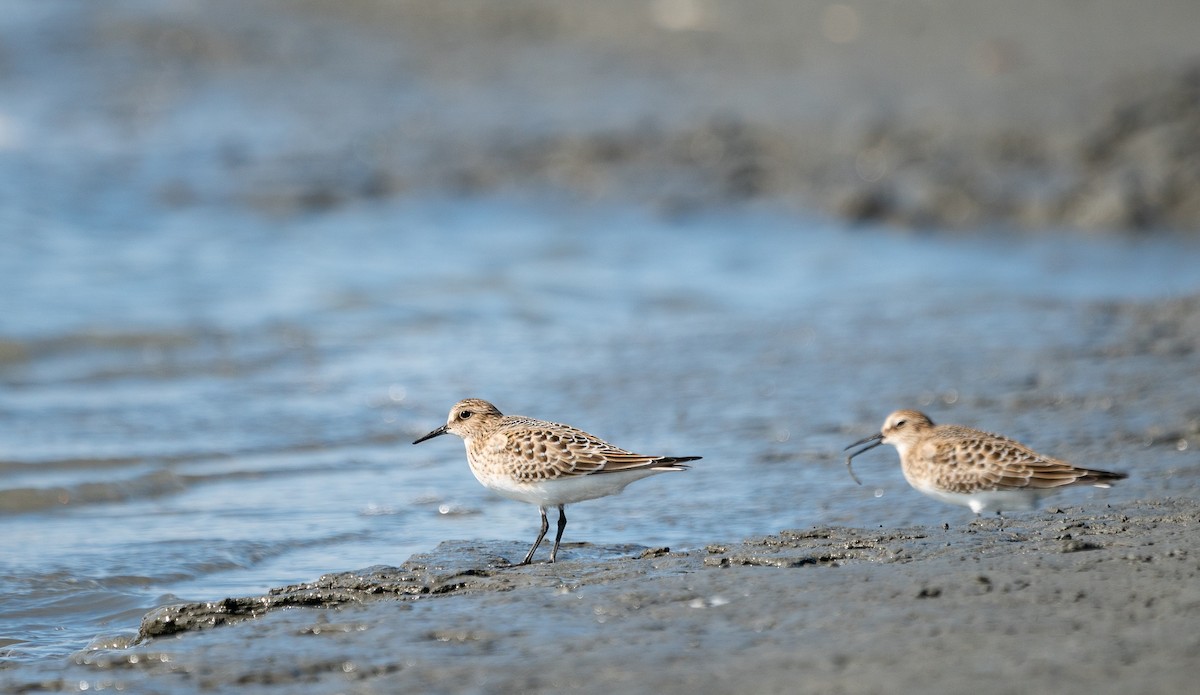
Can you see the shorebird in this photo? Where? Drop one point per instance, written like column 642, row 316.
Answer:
column 545, row 463
column 975, row 469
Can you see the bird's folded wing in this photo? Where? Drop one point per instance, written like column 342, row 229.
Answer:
column 1006, row 465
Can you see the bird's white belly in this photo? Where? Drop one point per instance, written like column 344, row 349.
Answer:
column 988, row 500
column 567, row 490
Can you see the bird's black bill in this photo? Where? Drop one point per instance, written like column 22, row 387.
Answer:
column 436, row 433
column 875, row 439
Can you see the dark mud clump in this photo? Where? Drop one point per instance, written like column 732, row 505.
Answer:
column 436, row 574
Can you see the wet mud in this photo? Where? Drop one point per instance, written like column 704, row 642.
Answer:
column 939, row 115
column 1071, row 598
column 1067, row 597
column 949, row 114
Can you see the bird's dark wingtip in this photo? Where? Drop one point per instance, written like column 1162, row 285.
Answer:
column 675, row 462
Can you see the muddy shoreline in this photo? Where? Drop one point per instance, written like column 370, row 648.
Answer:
column 946, row 115
column 1070, row 599
column 1095, row 593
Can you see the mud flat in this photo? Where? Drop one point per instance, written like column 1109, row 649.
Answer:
column 956, row 114
column 944, row 115
column 1068, row 599
column 941, row 114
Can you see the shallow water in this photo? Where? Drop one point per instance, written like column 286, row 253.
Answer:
column 206, row 405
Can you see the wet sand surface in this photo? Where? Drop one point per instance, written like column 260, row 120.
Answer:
column 1070, row 600
column 248, row 306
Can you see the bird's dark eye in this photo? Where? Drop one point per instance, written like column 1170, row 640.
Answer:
column 464, row 415
column 901, row 423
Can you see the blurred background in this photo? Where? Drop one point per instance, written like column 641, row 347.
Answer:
column 249, row 251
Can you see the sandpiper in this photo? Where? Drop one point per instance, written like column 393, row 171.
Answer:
column 975, row 469
column 545, row 463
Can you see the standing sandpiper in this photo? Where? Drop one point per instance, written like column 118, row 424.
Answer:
column 975, row 469
column 545, row 463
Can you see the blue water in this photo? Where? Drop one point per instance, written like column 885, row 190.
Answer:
column 210, row 404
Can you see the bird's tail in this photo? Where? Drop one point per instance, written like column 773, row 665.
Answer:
column 675, row 463
column 1101, row 478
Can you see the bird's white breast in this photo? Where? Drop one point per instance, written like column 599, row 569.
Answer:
column 566, row 490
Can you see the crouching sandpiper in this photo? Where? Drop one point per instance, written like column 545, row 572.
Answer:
column 545, row 463
column 976, row 469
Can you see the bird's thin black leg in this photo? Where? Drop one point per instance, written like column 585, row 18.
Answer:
column 541, row 535
column 562, row 524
